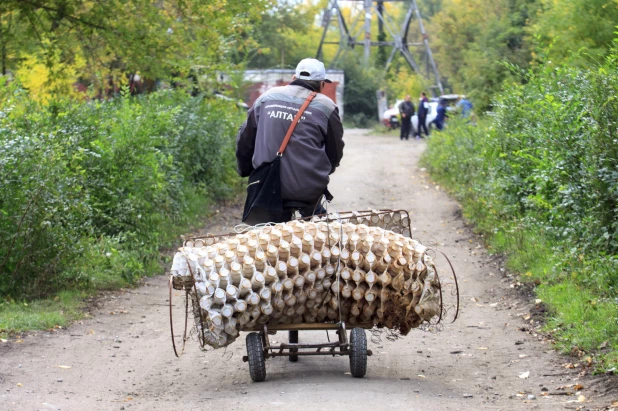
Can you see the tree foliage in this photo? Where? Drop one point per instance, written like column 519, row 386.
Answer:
column 580, row 31
column 361, row 85
column 102, row 41
column 284, row 35
column 472, row 39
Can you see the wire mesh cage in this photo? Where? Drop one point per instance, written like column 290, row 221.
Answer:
column 396, row 222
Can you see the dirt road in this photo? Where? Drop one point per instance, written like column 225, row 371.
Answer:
column 121, row 357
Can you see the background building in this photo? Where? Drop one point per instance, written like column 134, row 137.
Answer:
column 262, row 80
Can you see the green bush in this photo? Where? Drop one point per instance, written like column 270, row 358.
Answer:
column 91, row 190
column 359, row 94
column 359, row 120
column 540, row 175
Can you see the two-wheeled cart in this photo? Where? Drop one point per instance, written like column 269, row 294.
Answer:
column 259, row 347
column 258, row 342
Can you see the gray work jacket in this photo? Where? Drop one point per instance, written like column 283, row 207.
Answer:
column 315, row 148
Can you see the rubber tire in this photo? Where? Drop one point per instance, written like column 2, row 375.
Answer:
column 257, row 362
column 293, row 339
column 358, row 353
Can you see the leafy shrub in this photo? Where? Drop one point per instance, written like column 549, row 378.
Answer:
column 91, row 190
column 541, row 176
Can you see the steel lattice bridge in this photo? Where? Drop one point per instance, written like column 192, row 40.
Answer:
column 350, row 35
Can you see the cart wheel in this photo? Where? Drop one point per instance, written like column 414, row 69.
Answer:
column 293, row 339
column 257, row 362
column 358, row 353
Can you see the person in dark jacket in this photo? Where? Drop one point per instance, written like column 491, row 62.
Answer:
column 441, row 115
column 423, row 108
column 315, row 148
column 406, row 109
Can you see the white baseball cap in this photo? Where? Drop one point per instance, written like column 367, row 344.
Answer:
column 311, row 69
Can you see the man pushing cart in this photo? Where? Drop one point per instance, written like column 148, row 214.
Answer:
column 356, row 270
column 312, row 155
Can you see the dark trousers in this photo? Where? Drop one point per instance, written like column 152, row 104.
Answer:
column 422, row 125
column 406, row 125
column 439, row 124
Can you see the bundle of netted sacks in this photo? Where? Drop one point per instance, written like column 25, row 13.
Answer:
column 307, row 272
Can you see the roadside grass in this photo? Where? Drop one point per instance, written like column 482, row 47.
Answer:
column 529, row 254
column 44, row 314
column 380, row 129
column 579, row 318
column 363, row 124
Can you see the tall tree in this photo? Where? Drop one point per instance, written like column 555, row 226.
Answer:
column 282, row 34
column 580, row 31
column 472, row 39
column 103, row 39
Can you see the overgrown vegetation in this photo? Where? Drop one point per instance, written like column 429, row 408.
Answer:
column 93, row 181
column 540, row 177
column 90, row 191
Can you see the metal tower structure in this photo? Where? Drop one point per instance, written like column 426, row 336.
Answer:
column 350, row 35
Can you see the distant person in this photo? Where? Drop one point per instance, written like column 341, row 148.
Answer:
column 465, row 106
column 423, row 109
column 441, row 115
column 406, row 109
